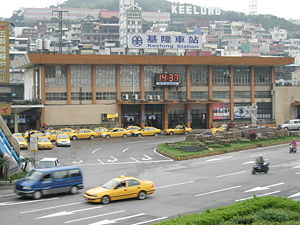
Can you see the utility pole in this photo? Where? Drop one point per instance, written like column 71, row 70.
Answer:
column 60, row 17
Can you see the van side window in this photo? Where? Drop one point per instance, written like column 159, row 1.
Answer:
column 47, row 177
column 74, row 173
column 61, row 174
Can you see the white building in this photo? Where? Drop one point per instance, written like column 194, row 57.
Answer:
column 130, row 20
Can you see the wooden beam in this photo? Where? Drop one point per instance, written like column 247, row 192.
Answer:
column 69, row 86
column 94, row 85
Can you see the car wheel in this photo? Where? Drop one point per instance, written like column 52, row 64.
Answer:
column 107, row 136
column 142, row 195
column 73, row 190
column 171, row 133
column 140, row 135
column 124, row 135
column 105, row 199
column 37, row 195
column 286, row 128
column 92, row 137
column 156, row 134
column 74, row 138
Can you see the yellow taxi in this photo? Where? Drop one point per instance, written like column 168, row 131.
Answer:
column 132, row 129
column 220, row 128
column 100, row 130
column 68, row 131
column 22, row 142
column 116, row 132
column 179, row 129
column 31, row 132
column 17, row 134
column 120, row 188
column 83, row 134
column 147, row 131
column 44, row 143
column 52, row 134
column 63, row 140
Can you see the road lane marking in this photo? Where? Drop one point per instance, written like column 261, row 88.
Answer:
column 249, row 162
column 212, row 192
column 148, row 221
column 26, row 202
column 95, row 150
column 171, row 185
column 295, row 195
column 146, row 157
column 2, row 196
column 115, row 220
column 230, row 174
column 66, row 213
column 53, row 207
column 219, row 158
column 120, row 163
column 263, row 188
column 100, row 161
column 133, row 142
column 125, row 150
column 155, row 151
column 296, row 167
column 298, row 173
column 113, row 159
column 79, row 160
column 134, row 159
column 90, row 217
column 270, row 193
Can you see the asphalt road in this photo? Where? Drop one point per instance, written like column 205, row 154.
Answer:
column 181, row 186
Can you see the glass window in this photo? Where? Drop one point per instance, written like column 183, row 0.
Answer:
column 106, row 76
column 179, row 95
column 242, row 94
column 130, row 76
column 241, row 76
column 199, row 94
column 133, row 183
column 58, row 96
column 221, row 94
column 61, row 174
column 262, row 76
column 55, row 76
column 199, row 75
column 264, row 110
column 81, row 95
column 81, row 76
column 262, row 94
column 149, row 74
column 220, row 76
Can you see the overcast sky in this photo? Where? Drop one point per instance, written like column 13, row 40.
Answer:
column 286, row 9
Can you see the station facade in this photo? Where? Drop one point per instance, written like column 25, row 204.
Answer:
column 122, row 90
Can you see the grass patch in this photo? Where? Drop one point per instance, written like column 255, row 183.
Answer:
column 175, row 151
column 268, row 210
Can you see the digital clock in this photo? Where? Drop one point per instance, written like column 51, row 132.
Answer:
column 166, row 79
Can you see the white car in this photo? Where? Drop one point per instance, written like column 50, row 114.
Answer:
column 291, row 125
column 48, row 162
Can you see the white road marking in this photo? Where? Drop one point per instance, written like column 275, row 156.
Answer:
column 125, row 150
column 134, row 159
column 230, row 174
column 295, row 195
column 296, row 167
column 212, row 192
column 113, row 159
column 146, row 157
column 162, row 155
column 133, row 142
column 1, row 196
column 298, row 173
column 53, row 207
column 249, row 162
column 115, row 220
column 90, row 217
column 79, row 160
column 148, row 221
column 26, row 202
column 171, row 185
column 100, row 161
column 66, row 213
column 263, row 188
column 270, row 193
column 97, row 149
column 219, row 158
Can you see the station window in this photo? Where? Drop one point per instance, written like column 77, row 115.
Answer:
column 241, row 76
column 262, row 76
column 199, row 76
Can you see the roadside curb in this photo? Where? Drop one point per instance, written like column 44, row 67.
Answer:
column 254, row 146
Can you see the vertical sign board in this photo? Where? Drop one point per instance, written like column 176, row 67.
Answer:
column 4, row 52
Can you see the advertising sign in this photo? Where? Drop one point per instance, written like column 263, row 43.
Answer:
column 4, row 52
column 187, row 9
column 33, row 144
column 164, row 41
column 221, row 111
column 5, row 109
column 242, row 112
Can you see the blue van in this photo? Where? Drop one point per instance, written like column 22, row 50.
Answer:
column 39, row 182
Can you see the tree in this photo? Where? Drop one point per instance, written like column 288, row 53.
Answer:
column 26, row 160
column 4, row 166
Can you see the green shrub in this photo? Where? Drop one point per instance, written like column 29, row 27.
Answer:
column 278, row 215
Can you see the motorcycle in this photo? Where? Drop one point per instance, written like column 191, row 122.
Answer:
column 293, row 149
column 264, row 168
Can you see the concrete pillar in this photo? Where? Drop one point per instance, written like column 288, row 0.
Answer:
column 16, row 122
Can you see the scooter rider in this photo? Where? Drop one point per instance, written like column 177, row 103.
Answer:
column 293, row 144
column 260, row 161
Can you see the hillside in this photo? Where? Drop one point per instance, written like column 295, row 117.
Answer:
column 268, row 21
